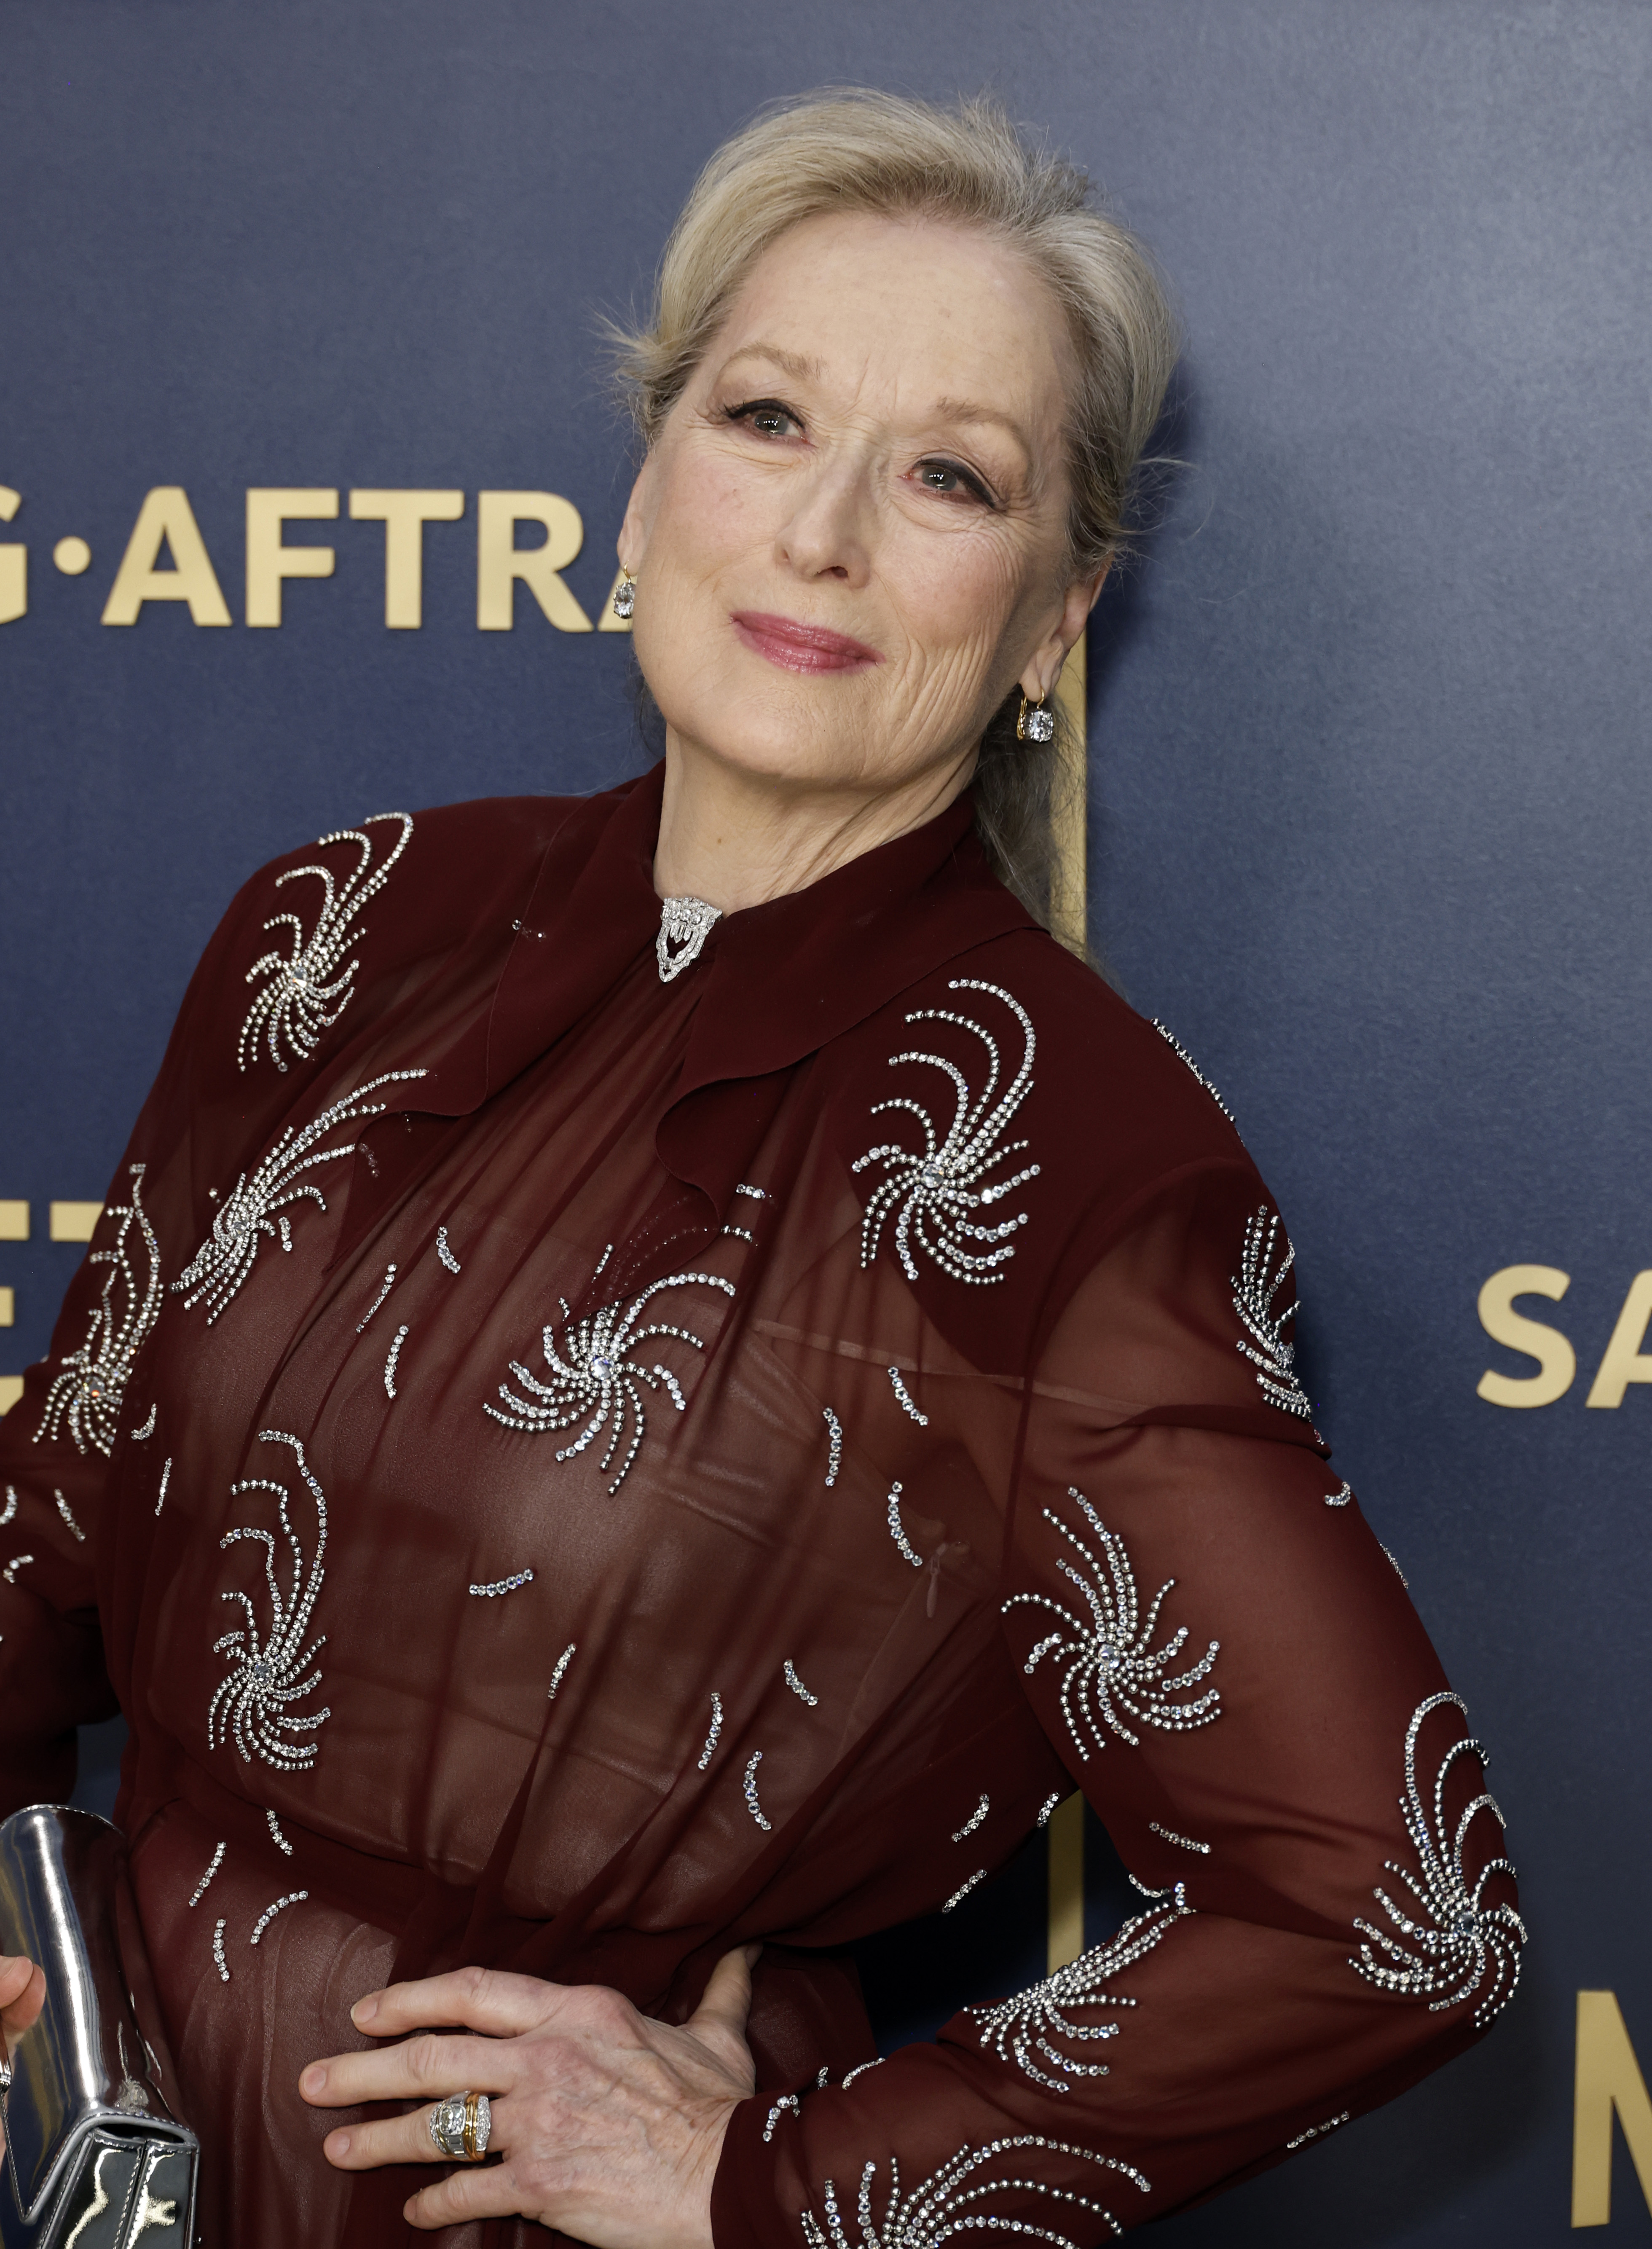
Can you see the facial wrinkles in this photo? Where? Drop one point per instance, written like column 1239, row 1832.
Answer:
column 843, row 511
column 837, row 510
column 941, row 641
column 831, row 528
column 887, row 421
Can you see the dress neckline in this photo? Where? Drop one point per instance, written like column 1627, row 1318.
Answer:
column 770, row 985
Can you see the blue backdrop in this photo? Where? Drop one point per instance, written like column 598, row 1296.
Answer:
column 1370, row 816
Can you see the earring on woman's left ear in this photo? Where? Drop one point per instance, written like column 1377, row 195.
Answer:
column 625, row 594
column 1034, row 723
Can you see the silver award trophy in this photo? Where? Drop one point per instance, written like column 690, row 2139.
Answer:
column 96, row 2157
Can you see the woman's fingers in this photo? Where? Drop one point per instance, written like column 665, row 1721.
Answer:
column 719, row 2022
column 472, row 2191
column 482, row 1999
column 727, row 1999
column 399, row 2140
column 15, row 1971
column 22, row 1993
column 427, row 2067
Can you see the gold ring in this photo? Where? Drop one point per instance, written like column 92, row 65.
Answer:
column 461, row 2127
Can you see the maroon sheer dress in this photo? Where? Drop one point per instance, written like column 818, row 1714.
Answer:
column 574, row 1469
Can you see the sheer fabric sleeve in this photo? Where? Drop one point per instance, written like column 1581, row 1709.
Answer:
column 83, row 1406
column 1226, row 1662
column 56, row 1446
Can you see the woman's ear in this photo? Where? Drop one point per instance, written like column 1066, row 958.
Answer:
column 1043, row 666
column 632, row 543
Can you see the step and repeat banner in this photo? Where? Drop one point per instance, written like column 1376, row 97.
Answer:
column 309, row 488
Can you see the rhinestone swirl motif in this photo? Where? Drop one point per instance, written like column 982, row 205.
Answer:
column 1455, row 1946
column 309, row 986
column 598, row 1375
column 1033, row 2028
column 1255, row 1287
column 270, row 1669
column 87, row 1394
column 258, row 1203
column 949, row 2201
column 685, row 925
column 1110, row 1674
column 932, row 1194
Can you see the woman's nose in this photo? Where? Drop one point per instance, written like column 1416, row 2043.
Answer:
column 828, row 532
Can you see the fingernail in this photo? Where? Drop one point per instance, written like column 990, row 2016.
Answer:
column 314, row 2079
column 364, row 2010
column 337, row 2146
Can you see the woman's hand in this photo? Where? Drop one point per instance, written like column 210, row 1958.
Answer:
column 610, row 2124
column 22, row 1993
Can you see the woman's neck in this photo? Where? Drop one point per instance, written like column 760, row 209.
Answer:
column 737, row 839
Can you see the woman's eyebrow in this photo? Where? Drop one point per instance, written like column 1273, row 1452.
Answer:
column 799, row 369
column 966, row 409
column 803, row 369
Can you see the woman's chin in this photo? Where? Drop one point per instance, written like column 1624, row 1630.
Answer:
column 786, row 762
column 788, row 739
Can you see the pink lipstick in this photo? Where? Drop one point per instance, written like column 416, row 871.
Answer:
column 802, row 648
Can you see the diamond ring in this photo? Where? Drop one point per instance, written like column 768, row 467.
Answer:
column 461, row 2127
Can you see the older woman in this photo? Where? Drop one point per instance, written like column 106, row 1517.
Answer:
column 665, row 1374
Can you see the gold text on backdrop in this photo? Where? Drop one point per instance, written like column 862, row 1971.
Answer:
column 1608, row 2081
column 166, row 557
column 1623, row 1362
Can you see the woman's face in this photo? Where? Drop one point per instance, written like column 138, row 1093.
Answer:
column 850, row 540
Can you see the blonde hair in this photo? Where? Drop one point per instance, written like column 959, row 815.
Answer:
column 857, row 150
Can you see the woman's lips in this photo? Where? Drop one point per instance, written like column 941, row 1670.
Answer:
column 802, row 648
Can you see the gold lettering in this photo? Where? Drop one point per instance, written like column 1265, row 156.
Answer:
column 1557, row 1361
column 1624, row 1361
column 74, row 1222
column 404, row 515
column 166, row 519
column 267, row 560
column 500, row 562
column 14, row 564
column 1608, row 2078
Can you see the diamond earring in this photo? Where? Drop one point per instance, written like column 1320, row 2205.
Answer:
column 625, row 594
column 1034, row 723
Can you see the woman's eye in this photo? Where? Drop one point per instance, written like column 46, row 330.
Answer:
column 949, row 479
column 766, row 417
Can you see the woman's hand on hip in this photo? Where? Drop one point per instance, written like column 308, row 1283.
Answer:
column 610, row 2124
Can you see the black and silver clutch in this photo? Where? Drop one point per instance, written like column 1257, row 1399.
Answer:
column 96, row 2157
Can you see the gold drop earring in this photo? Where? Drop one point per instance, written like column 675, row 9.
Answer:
column 625, row 594
column 1034, row 723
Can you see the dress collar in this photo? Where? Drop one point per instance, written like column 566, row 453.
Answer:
column 773, row 984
